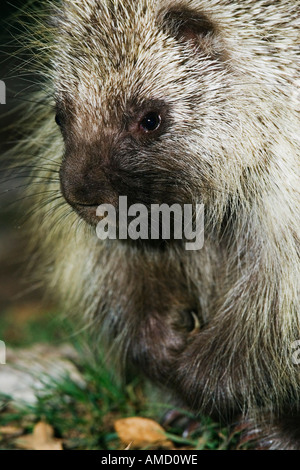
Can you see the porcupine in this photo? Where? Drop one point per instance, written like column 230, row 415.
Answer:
column 179, row 101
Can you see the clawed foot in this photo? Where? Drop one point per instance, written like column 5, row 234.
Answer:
column 178, row 419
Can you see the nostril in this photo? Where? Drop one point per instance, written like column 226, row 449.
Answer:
column 86, row 204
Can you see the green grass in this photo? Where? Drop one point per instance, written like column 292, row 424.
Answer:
column 83, row 416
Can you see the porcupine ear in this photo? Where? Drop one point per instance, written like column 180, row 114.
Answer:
column 191, row 27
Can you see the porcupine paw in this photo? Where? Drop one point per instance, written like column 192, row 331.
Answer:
column 180, row 420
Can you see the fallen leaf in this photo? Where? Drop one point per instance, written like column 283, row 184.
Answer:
column 42, row 438
column 141, row 432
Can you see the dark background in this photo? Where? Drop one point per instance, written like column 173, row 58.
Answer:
column 15, row 295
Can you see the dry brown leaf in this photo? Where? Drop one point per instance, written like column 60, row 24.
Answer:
column 141, row 432
column 42, row 438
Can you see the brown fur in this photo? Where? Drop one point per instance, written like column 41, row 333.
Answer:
column 223, row 76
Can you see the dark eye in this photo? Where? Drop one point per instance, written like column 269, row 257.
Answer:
column 151, row 122
column 58, row 120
